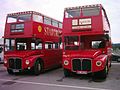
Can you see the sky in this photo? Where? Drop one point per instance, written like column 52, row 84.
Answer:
column 55, row 9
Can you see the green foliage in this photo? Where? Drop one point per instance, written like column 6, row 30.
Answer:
column 116, row 46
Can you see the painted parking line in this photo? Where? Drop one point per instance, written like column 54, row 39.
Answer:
column 54, row 85
column 115, row 63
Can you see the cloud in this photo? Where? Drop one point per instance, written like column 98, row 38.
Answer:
column 55, row 8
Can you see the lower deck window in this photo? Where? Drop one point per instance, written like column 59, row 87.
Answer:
column 21, row 46
column 48, row 45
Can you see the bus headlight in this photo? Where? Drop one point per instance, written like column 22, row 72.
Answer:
column 27, row 62
column 98, row 63
column 66, row 62
column 5, row 61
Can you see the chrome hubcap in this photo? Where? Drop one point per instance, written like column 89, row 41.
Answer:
column 106, row 69
column 39, row 67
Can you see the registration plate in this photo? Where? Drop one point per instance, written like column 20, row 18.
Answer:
column 15, row 70
column 81, row 72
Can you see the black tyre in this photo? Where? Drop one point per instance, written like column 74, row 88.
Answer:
column 66, row 73
column 118, row 60
column 102, row 74
column 38, row 67
column 110, row 63
column 10, row 71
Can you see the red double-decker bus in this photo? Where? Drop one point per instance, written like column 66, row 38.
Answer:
column 86, row 40
column 31, row 42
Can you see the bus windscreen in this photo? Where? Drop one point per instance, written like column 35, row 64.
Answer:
column 72, row 13
column 91, row 11
column 19, row 18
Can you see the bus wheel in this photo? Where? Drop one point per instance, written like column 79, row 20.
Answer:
column 66, row 73
column 10, row 71
column 110, row 63
column 38, row 68
column 102, row 74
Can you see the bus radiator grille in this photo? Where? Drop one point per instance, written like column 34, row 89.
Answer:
column 81, row 64
column 15, row 63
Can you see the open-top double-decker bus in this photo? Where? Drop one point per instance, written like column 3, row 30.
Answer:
column 86, row 40
column 31, row 42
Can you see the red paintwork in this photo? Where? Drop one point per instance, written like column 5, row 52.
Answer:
column 28, row 26
column 98, row 28
column 51, row 58
column 67, row 22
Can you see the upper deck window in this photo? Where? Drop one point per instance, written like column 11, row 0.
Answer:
column 47, row 20
column 26, row 17
column 55, row 23
column 20, row 18
column 72, row 13
column 11, row 19
column 37, row 18
column 91, row 11
column 60, row 25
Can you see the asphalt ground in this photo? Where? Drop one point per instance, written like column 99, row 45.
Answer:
column 55, row 80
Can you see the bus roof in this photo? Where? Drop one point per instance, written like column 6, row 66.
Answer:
column 28, row 12
column 77, row 7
